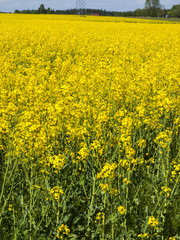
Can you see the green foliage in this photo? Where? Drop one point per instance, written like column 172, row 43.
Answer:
column 148, row 11
column 152, row 4
column 42, row 9
column 35, row 216
column 152, row 7
column 175, row 11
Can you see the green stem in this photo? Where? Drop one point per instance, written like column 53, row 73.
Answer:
column 92, row 198
column 103, row 233
column 31, row 201
column 112, row 222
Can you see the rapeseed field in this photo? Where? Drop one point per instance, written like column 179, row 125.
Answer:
column 89, row 128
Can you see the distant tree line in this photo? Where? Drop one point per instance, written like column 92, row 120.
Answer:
column 175, row 11
column 151, row 9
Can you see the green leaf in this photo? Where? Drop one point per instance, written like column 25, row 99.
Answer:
column 73, row 236
column 21, row 221
column 65, row 219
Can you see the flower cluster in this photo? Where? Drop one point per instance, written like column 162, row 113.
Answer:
column 62, row 232
column 99, row 217
column 107, row 171
column 166, row 190
column 121, row 210
column 152, row 221
column 56, row 192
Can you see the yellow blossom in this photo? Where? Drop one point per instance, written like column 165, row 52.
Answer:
column 121, row 210
column 10, row 207
column 152, row 221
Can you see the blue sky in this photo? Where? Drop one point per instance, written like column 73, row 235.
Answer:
column 117, row 5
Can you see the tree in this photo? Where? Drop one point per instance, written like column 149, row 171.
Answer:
column 153, row 7
column 17, row 11
column 48, row 11
column 152, row 4
column 175, row 11
column 42, row 9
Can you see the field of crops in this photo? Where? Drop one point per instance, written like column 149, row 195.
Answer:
column 89, row 128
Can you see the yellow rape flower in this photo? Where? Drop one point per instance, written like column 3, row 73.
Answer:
column 121, row 210
column 125, row 180
column 56, row 192
column 10, row 207
column 107, row 171
column 62, row 231
column 142, row 143
column 99, row 217
column 36, row 187
column 152, row 221
column 104, row 187
column 143, row 235
column 166, row 190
